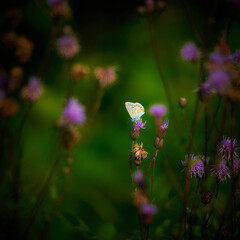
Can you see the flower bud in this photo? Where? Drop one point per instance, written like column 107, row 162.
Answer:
column 135, row 134
column 162, row 130
column 159, row 142
column 183, row 102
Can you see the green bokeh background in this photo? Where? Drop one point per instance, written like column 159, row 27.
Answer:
column 100, row 193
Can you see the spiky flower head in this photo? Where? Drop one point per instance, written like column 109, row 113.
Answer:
column 79, row 71
column 136, row 129
column 195, row 165
column 221, row 171
column 228, row 148
column 236, row 166
column 190, row 52
column 139, row 153
column 205, row 91
column 33, row 91
column 106, row 76
column 163, row 130
column 73, row 113
column 68, row 46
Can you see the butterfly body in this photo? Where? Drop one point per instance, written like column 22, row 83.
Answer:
column 135, row 110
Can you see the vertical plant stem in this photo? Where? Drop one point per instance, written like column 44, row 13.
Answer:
column 154, row 161
column 131, row 175
column 165, row 85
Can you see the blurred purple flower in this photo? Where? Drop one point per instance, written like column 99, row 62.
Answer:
column 190, row 52
column 217, row 57
column 158, row 110
column 235, row 58
column 33, row 91
column 138, row 176
column 205, row 91
column 148, row 211
column 73, row 112
column 54, row 2
column 221, row 171
column 236, row 166
column 68, row 46
column 228, row 147
column 219, row 80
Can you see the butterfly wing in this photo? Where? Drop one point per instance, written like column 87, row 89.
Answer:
column 129, row 107
column 138, row 111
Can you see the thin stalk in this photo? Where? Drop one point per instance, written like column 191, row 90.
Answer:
column 188, row 132
column 131, row 175
column 153, row 157
column 164, row 82
column 42, row 194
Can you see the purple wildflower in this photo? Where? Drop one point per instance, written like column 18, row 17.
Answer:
column 236, row 166
column 228, row 147
column 205, row 91
column 235, row 58
column 219, row 80
column 163, row 130
column 136, row 129
column 73, row 113
column 217, row 57
column 195, row 165
column 138, row 176
column 148, row 211
column 33, row 91
column 68, row 46
column 158, row 111
column 221, row 171
column 190, row 52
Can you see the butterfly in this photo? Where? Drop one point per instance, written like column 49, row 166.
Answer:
column 135, row 110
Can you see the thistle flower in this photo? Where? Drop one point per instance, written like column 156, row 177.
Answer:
column 138, row 176
column 158, row 111
column 219, row 80
column 228, row 147
column 221, row 171
column 190, row 52
column 106, row 76
column 136, row 129
column 162, row 130
column 139, row 154
column 73, row 113
column 68, row 46
column 148, row 211
column 79, row 71
column 217, row 57
column 33, row 91
column 195, row 165
column 59, row 8
column 236, row 166
column 205, row 91
column 235, row 58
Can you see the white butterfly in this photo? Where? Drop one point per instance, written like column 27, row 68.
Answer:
column 135, row 110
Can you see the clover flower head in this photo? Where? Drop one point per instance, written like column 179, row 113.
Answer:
column 228, row 147
column 190, row 52
column 221, row 171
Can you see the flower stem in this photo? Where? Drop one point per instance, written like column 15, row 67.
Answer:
column 131, row 175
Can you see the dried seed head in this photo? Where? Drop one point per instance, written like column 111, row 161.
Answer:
column 139, row 154
column 206, row 197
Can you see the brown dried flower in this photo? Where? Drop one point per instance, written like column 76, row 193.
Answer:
column 139, row 153
column 79, row 71
column 9, row 107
